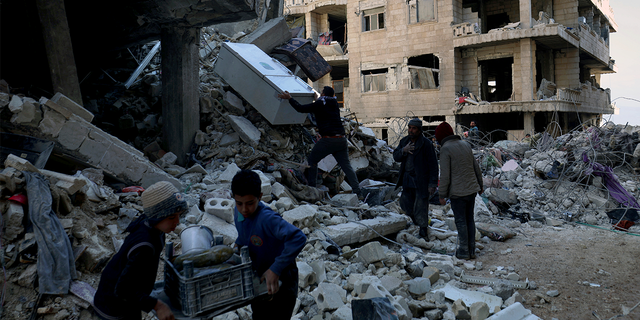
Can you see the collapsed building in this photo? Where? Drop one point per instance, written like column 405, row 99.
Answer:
column 98, row 165
column 513, row 65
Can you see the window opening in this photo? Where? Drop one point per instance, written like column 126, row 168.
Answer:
column 496, row 79
column 373, row 19
column 375, row 80
column 425, row 71
column 421, row 10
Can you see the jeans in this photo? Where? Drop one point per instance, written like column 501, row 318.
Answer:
column 463, row 214
column 339, row 149
column 416, row 206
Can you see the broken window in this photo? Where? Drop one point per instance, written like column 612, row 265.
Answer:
column 375, row 80
column 338, row 88
column 425, row 71
column 373, row 19
column 421, row 10
column 496, row 79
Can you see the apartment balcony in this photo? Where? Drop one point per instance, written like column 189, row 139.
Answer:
column 334, row 54
column 594, row 51
column 554, row 35
column 587, row 99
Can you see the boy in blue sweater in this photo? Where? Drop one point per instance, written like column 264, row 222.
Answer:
column 273, row 246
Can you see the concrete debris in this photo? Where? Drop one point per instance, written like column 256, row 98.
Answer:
column 545, row 182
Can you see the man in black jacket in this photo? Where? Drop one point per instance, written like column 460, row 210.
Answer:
column 418, row 175
column 333, row 141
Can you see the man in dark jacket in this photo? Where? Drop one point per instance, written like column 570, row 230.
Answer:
column 333, row 140
column 418, row 175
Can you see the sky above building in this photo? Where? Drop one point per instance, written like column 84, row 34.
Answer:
column 625, row 50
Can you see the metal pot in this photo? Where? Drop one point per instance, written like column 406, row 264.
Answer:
column 196, row 238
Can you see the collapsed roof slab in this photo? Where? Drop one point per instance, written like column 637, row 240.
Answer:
column 534, row 106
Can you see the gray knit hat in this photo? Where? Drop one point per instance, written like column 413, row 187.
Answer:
column 161, row 200
column 416, row 123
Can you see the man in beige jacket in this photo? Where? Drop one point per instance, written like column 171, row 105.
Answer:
column 460, row 179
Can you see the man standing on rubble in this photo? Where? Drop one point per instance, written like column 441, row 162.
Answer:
column 460, row 186
column 333, row 140
column 418, row 175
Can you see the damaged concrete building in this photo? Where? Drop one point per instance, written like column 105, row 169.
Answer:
column 514, row 65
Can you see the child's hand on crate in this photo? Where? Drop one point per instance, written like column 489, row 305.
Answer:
column 272, row 281
column 163, row 311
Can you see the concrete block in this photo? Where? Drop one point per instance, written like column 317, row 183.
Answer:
column 72, row 106
column 167, row 159
column 220, row 227
column 363, row 283
column 320, row 270
column 306, row 275
column 503, row 289
column 301, row 217
column 68, row 183
column 194, row 215
column 516, row 297
column 229, row 139
column 247, row 131
column 96, row 253
column 343, row 313
column 460, row 310
column 233, row 103
column 515, row 311
column 221, row 208
column 27, row 114
column 155, row 174
column 19, row 164
column 51, row 123
column 124, row 163
column 391, row 283
column 418, row 286
column 371, row 252
column 72, row 134
column 228, row 173
column 349, row 233
column 329, row 296
column 269, row 35
column 479, row 311
column 345, row 200
column 284, row 203
column 265, row 186
column 431, row 273
column 404, row 312
column 13, row 221
column 15, row 105
column 279, row 191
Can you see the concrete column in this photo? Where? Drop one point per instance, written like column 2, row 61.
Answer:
column 324, row 22
column 180, row 108
column 311, row 25
column 528, row 68
column 596, row 23
column 529, row 123
column 525, row 14
column 57, row 42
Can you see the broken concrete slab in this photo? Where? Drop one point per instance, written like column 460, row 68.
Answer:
column 271, row 34
column 348, row 233
column 515, row 311
column 371, row 252
column 470, row 297
column 72, row 106
column 233, row 103
column 418, row 286
column 228, row 174
column 19, row 163
column 460, row 310
column 479, row 311
column 229, row 139
column 13, row 221
column 68, row 183
column 247, row 131
column 345, row 200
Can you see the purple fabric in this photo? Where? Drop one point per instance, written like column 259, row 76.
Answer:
column 611, row 182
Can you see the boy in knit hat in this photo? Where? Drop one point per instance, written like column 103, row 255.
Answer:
column 128, row 279
column 273, row 246
column 460, row 186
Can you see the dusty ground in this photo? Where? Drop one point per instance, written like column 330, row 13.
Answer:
column 562, row 259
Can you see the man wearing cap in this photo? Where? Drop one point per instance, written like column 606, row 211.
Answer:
column 460, row 186
column 418, row 175
column 333, row 141
column 128, row 279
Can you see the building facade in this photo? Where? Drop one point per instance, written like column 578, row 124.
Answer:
column 513, row 66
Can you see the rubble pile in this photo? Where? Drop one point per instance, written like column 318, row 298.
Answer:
column 356, row 250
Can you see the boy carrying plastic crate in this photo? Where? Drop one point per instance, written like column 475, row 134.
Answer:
column 273, row 246
column 128, row 279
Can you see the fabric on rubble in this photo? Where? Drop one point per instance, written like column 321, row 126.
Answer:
column 56, row 262
column 611, row 182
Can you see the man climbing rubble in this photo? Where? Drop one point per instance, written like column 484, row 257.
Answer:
column 333, row 141
column 418, row 175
